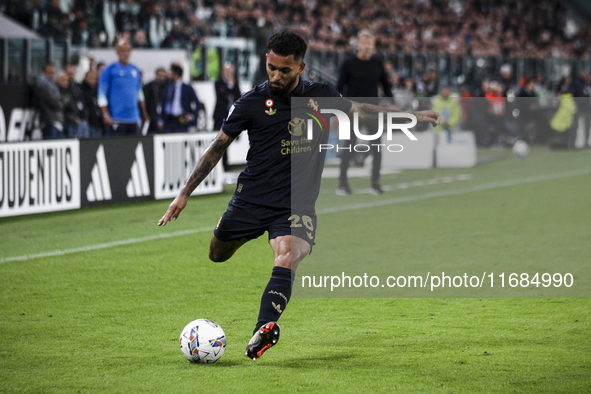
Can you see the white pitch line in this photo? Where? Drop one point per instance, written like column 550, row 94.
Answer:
column 390, row 201
column 103, row 246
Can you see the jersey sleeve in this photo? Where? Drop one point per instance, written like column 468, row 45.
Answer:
column 338, row 101
column 237, row 119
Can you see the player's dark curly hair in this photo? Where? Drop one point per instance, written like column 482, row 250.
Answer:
column 287, row 43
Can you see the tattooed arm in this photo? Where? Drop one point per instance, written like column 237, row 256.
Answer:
column 369, row 112
column 206, row 163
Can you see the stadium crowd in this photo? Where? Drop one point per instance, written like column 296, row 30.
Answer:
column 506, row 28
column 489, row 111
column 477, row 27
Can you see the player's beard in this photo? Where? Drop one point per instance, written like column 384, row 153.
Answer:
column 281, row 92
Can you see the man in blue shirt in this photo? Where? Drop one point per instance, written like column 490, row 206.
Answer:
column 263, row 200
column 120, row 94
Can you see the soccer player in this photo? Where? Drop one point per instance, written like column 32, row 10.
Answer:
column 263, row 200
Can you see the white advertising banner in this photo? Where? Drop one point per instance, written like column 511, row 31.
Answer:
column 39, row 177
column 175, row 155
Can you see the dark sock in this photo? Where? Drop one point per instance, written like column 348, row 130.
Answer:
column 276, row 296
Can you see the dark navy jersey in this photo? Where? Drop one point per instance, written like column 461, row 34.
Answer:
column 279, row 148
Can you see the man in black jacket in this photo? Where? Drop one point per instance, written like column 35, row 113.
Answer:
column 49, row 104
column 360, row 76
column 71, row 118
column 226, row 92
column 95, row 117
column 75, row 92
column 153, row 95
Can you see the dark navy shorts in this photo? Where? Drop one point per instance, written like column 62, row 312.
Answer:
column 245, row 220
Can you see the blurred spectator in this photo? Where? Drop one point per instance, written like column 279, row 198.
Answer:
column 56, row 27
column 396, row 82
column 479, row 118
column 179, row 104
column 156, row 25
column 528, row 90
column 528, row 105
column 496, row 97
column 483, row 89
column 199, row 68
column 30, row 13
column 100, row 66
column 49, row 104
column 71, row 119
column 506, row 78
column 80, row 33
column 466, row 102
column 127, row 17
column 540, row 88
column 177, row 12
column 222, row 24
column 178, row 37
column 405, row 94
column 496, row 121
column 477, row 27
column 140, row 39
column 95, row 118
column 450, row 110
column 582, row 93
column 563, row 120
column 77, row 95
column 565, row 86
column 582, row 85
column 120, row 95
column 429, row 84
column 406, row 98
column 153, row 94
column 226, row 92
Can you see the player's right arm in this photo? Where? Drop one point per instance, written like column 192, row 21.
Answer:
column 204, row 166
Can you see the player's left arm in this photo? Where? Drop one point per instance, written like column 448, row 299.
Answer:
column 370, row 113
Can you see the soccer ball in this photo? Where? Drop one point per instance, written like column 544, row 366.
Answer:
column 203, row 341
column 520, row 149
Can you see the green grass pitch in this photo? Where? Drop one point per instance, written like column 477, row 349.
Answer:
column 83, row 314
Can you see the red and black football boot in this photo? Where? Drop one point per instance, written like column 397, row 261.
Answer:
column 263, row 339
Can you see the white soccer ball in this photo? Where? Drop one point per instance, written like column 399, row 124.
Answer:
column 521, row 149
column 203, row 341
